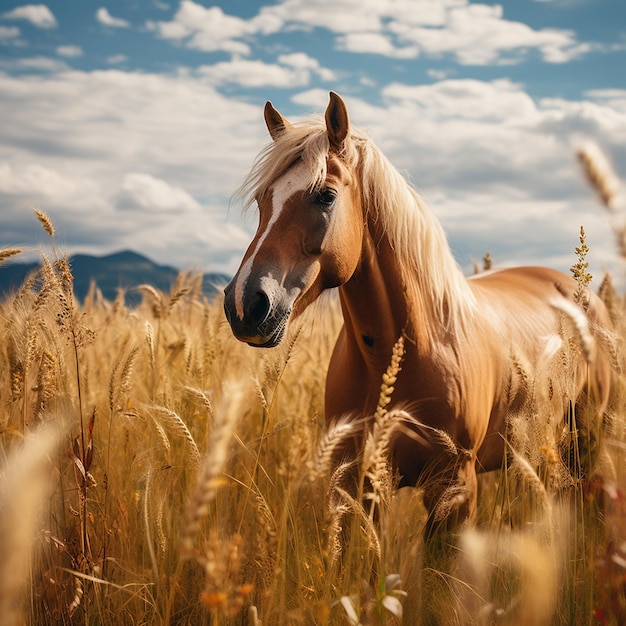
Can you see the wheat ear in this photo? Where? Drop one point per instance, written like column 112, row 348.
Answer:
column 173, row 422
column 209, row 475
column 601, row 175
column 8, row 253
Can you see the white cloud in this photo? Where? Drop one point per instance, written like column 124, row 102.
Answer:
column 303, row 62
column 339, row 16
column 253, row 74
column 207, row 29
column 44, row 185
column 498, row 102
column 153, row 194
column 37, row 14
column 294, row 70
column 615, row 98
column 116, row 59
column 29, row 179
column 70, row 52
column 376, row 43
column 9, row 34
column 39, row 64
column 439, row 74
column 476, row 34
column 104, row 17
column 497, row 166
column 123, row 159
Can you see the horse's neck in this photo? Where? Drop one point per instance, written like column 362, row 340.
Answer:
column 374, row 304
column 379, row 306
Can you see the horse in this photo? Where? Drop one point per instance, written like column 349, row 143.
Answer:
column 334, row 213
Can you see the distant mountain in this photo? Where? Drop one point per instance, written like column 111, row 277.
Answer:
column 122, row 270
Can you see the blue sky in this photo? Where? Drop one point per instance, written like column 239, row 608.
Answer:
column 131, row 123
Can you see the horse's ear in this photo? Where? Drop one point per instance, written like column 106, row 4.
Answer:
column 275, row 122
column 337, row 121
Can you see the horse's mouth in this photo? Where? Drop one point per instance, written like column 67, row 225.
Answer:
column 270, row 333
column 269, row 343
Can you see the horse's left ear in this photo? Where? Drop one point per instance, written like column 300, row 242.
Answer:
column 337, row 121
column 274, row 121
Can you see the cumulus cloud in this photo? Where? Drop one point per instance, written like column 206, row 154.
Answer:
column 478, row 35
column 207, row 29
column 293, row 70
column 147, row 161
column 104, row 17
column 127, row 160
column 38, row 15
column 475, row 34
column 497, row 166
column 155, row 195
column 615, row 98
column 34, row 178
column 376, row 43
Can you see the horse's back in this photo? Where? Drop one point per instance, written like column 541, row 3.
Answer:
column 526, row 305
column 528, row 289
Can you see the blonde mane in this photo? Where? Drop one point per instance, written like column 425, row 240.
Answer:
column 435, row 285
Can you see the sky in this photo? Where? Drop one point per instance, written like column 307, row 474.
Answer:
column 132, row 123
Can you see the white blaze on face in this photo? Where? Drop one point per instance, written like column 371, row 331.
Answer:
column 296, row 179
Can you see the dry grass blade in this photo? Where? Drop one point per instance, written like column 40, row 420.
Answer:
column 24, row 485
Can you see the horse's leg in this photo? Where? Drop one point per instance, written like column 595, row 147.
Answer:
column 450, row 498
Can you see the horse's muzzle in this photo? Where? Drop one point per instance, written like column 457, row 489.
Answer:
column 264, row 320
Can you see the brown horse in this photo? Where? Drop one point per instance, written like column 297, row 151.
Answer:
column 334, row 213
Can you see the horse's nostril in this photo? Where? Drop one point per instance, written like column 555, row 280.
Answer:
column 259, row 308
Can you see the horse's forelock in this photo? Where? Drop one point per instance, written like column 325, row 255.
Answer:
column 306, row 141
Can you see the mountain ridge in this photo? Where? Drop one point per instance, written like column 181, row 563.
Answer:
column 124, row 269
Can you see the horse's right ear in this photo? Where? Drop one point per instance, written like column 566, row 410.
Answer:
column 275, row 122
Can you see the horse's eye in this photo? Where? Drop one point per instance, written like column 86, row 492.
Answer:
column 325, row 197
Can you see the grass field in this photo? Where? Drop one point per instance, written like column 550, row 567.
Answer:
column 156, row 471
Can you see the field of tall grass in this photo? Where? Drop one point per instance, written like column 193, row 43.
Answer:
column 153, row 470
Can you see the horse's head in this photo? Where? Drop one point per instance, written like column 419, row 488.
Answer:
column 310, row 227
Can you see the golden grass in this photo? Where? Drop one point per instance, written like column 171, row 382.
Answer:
column 156, row 471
